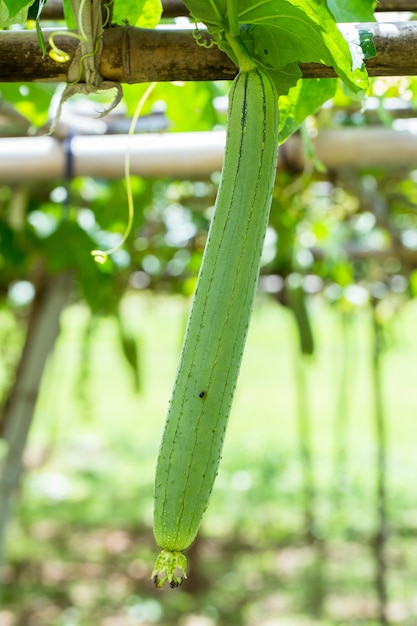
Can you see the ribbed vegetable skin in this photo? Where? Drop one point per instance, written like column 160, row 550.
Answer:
column 217, row 328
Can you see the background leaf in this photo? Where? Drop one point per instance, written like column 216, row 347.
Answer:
column 143, row 13
column 150, row 14
column 31, row 99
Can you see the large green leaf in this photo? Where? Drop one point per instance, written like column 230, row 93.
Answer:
column 15, row 6
column 13, row 12
column 282, row 33
column 302, row 31
column 353, row 10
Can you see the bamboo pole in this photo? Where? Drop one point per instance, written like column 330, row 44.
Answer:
column 132, row 55
column 192, row 155
column 396, row 5
column 174, row 8
column 53, row 9
column 19, row 409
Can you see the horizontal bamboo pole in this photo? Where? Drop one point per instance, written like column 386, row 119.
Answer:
column 396, row 5
column 132, row 55
column 173, row 8
column 53, row 9
column 191, row 155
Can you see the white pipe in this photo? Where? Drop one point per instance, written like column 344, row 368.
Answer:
column 191, row 155
column 177, row 155
column 30, row 158
column 358, row 148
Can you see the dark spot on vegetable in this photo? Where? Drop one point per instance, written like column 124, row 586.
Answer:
column 266, row 52
column 202, row 393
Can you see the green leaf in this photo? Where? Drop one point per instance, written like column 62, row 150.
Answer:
column 15, row 6
column 353, row 10
column 150, row 14
column 32, row 100
column 69, row 15
column 143, row 13
column 41, row 40
column 303, row 100
column 189, row 106
column 211, row 13
column 302, row 31
column 127, row 11
column 285, row 78
column 35, row 9
column 282, row 33
column 16, row 13
column 68, row 248
column 34, row 13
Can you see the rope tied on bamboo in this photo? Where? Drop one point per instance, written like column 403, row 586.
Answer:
column 87, row 58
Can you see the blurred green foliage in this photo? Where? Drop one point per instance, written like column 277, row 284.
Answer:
column 81, row 543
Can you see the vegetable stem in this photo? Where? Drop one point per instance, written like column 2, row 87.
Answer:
column 244, row 60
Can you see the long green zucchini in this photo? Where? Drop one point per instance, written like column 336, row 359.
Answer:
column 219, row 319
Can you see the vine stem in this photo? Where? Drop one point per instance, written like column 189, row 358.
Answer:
column 60, row 56
column 244, row 60
column 100, row 256
column 305, row 447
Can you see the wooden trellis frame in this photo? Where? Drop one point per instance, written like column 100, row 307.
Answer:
column 53, row 10
column 132, row 55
